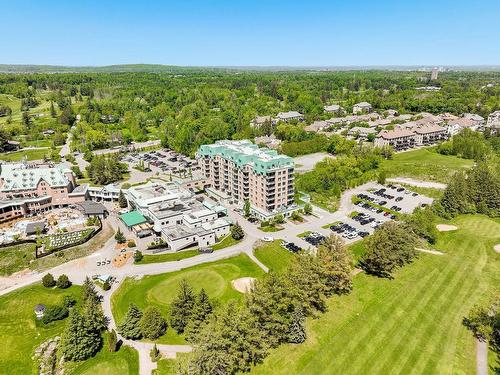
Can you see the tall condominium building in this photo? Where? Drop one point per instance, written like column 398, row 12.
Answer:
column 240, row 170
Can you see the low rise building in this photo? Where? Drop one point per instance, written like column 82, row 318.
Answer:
column 290, row 116
column 493, row 122
column 362, row 107
column 258, row 121
column 399, row 139
column 363, row 133
column 242, row 171
column 27, row 189
column 334, row 108
column 174, row 213
column 430, row 134
column 269, row 141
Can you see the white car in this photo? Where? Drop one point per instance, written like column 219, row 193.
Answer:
column 267, row 239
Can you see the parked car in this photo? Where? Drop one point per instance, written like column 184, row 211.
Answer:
column 267, row 239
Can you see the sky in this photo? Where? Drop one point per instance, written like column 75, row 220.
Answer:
column 250, row 33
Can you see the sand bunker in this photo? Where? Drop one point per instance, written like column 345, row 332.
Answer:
column 243, row 285
column 497, row 248
column 446, row 227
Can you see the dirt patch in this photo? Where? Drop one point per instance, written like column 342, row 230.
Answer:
column 446, row 227
column 497, row 248
column 121, row 259
column 243, row 285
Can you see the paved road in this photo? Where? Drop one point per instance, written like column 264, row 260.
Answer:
column 78, row 269
column 481, row 357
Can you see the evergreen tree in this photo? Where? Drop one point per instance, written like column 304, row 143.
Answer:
column 94, row 316
column 391, row 246
column 337, row 264
column 155, row 353
column 308, row 209
column 63, row 282
column 297, row 330
column 181, row 308
column 53, row 112
column 89, row 291
column 201, row 312
column 237, row 231
column 152, row 323
column 130, row 327
column 78, row 343
column 122, row 201
column 48, row 280
column 113, row 341
column 119, row 236
column 230, row 344
column 246, row 208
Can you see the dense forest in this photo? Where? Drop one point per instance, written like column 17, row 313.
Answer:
column 193, row 107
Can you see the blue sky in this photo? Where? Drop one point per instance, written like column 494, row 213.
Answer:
column 293, row 33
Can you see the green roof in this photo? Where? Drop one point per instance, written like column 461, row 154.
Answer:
column 133, row 218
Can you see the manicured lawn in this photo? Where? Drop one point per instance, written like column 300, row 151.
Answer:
column 30, row 154
column 172, row 257
column 428, row 192
column 226, row 242
column 169, row 257
column 16, row 258
column 160, row 290
column 273, row 255
column 125, row 361
column 271, row 228
column 304, row 234
column 409, row 325
column 358, row 249
column 327, row 226
column 424, row 164
column 20, row 332
column 166, row 367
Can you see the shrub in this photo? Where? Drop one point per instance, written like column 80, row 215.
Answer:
column 106, row 286
column 69, row 301
column 53, row 313
column 131, row 243
column 119, row 237
column 138, row 256
column 48, row 281
column 237, row 232
column 63, row 282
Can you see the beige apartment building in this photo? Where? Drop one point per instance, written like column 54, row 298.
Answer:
column 399, row 139
column 240, row 171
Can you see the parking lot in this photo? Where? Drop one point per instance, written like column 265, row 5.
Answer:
column 374, row 207
column 161, row 161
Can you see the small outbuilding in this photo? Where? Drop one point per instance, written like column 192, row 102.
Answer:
column 35, row 227
column 92, row 209
column 40, row 311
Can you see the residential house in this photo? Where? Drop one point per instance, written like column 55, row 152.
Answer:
column 290, row 116
column 362, row 107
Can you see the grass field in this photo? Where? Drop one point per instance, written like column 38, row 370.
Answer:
column 424, row 164
column 30, row 154
column 273, row 255
column 226, row 242
column 428, row 192
column 169, row 257
column 123, row 362
column 20, row 332
column 16, row 258
column 408, row 325
column 160, row 290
